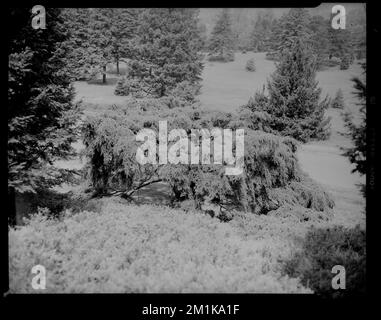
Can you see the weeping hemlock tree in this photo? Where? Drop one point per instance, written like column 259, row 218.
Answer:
column 41, row 116
column 293, row 102
column 221, row 43
column 166, row 52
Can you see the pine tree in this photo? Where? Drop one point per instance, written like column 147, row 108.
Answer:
column 294, row 97
column 261, row 33
column 221, row 44
column 41, row 116
column 166, row 51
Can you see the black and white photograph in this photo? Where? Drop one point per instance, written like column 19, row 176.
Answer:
column 187, row 150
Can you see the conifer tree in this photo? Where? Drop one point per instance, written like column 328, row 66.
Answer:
column 41, row 115
column 293, row 102
column 357, row 130
column 221, row 44
column 291, row 27
column 99, row 36
column 166, row 52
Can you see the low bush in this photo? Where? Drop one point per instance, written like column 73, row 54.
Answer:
column 129, row 86
column 321, row 250
column 272, row 56
column 140, row 249
column 250, row 65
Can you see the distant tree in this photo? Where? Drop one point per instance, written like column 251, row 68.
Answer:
column 165, row 53
column 341, row 43
column 319, row 38
column 291, row 27
column 357, row 130
column 260, row 36
column 221, row 43
column 41, row 115
column 294, row 102
column 338, row 101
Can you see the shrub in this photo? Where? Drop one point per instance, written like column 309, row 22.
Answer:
column 250, row 65
column 142, row 249
column 130, row 86
column 338, row 101
column 269, row 161
column 324, row 248
column 345, row 62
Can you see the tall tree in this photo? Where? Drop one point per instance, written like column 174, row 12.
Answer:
column 41, row 115
column 99, row 36
column 221, row 41
column 291, row 27
column 166, row 51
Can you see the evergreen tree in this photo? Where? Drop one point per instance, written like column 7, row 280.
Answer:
column 99, row 36
column 166, row 52
column 294, row 97
column 338, row 101
column 261, row 33
column 221, row 44
column 291, row 27
column 41, row 115
column 357, row 131
column 319, row 38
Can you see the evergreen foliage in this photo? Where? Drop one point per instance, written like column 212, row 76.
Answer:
column 221, row 43
column 41, row 116
column 293, row 102
column 166, row 52
column 357, row 131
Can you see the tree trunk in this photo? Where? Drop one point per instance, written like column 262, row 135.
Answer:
column 117, row 66
column 104, row 74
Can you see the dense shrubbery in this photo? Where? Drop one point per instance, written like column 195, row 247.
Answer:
column 144, row 249
column 338, row 101
column 324, row 248
column 250, row 65
column 269, row 161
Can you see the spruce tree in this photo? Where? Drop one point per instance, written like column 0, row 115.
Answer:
column 221, row 43
column 294, row 97
column 41, row 115
column 166, row 52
